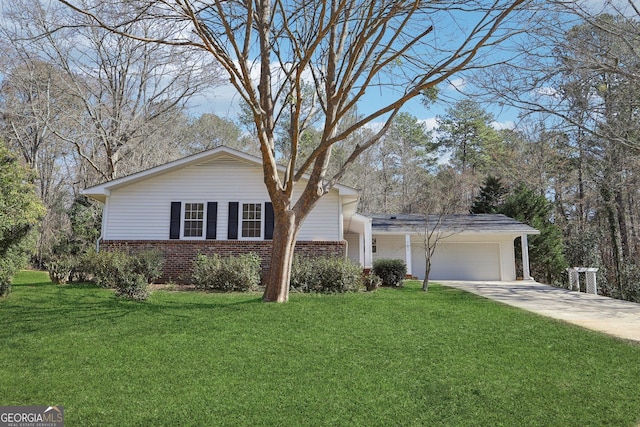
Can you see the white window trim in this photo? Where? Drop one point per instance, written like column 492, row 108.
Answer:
column 204, row 221
column 240, row 220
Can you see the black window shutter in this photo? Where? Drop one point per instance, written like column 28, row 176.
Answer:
column 212, row 219
column 269, row 220
column 232, row 229
column 174, row 224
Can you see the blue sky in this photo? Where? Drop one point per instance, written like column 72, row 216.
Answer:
column 224, row 102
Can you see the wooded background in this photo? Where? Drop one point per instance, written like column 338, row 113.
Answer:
column 81, row 105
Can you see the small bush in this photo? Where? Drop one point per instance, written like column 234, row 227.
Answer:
column 391, row 271
column 149, row 264
column 325, row 275
column 372, row 282
column 240, row 273
column 5, row 284
column 108, row 267
column 83, row 269
column 60, row 269
column 9, row 266
column 132, row 286
column 129, row 275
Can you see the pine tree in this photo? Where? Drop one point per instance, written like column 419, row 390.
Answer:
column 491, row 197
column 546, row 250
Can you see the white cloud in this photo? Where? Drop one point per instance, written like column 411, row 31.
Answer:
column 503, row 125
column 223, row 101
column 547, row 91
column 430, row 123
column 458, row 84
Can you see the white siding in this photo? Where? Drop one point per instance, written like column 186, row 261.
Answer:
column 353, row 247
column 323, row 223
column 390, row 246
column 141, row 210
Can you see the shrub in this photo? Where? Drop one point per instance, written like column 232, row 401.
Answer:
column 132, row 286
column 372, row 282
column 8, row 268
column 149, row 264
column 60, row 269
column 391, row 271
column 20, row 212
column 325, row 275
column 5, row 284
column 239, row 273
column 129, row 275
column 107, row 267
column 83, row 268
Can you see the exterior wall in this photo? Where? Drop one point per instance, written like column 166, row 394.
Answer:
column 179, row 254
column 390, row 246
column 353, row 247
column 141, row 210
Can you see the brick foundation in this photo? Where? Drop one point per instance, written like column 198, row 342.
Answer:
column 179, row 254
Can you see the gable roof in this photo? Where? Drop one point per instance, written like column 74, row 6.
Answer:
column 100, row 192
column 474, row 223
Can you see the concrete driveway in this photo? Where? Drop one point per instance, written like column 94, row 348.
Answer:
column 608, row 315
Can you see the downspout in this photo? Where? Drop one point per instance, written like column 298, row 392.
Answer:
column 98, row 243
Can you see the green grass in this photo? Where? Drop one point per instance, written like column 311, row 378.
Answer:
column 394, row 357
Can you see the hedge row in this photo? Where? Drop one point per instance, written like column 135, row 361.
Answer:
column 130, row 275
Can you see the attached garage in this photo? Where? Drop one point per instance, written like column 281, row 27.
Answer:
column 468, row 247
column 465, row 261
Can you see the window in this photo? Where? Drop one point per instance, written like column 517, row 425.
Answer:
column 252, row 220
column 193, row 219
column 374, row 245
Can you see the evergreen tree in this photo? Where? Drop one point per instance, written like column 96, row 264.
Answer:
column 546, row 250
column 465, row 131
column 491, row 196
column 20, row 212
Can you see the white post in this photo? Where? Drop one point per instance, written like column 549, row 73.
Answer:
column 592, row 287
column 407, row 253
column 367, row 244
column 526, row 273
column 574, row 279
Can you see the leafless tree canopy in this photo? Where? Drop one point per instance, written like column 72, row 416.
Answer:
column 272, row 49
column 124, row 91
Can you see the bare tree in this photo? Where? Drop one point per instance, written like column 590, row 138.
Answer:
column 31, row 102
column 270, row 48
column 439, row 222
column 129, row 93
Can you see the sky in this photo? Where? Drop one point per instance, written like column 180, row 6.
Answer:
column 224, row 102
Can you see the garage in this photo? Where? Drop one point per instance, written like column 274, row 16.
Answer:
column 466, row 261
column 468, row 247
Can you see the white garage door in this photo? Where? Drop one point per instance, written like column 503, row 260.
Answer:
column 466, row 261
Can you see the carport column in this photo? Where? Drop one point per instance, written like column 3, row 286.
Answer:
column 407, row 253
column 526, row 273
column 366, row 250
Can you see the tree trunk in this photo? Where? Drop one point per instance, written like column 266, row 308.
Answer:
column 427, row 272
column 284, row 240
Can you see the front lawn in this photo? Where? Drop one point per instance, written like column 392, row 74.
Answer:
column 393, row 357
